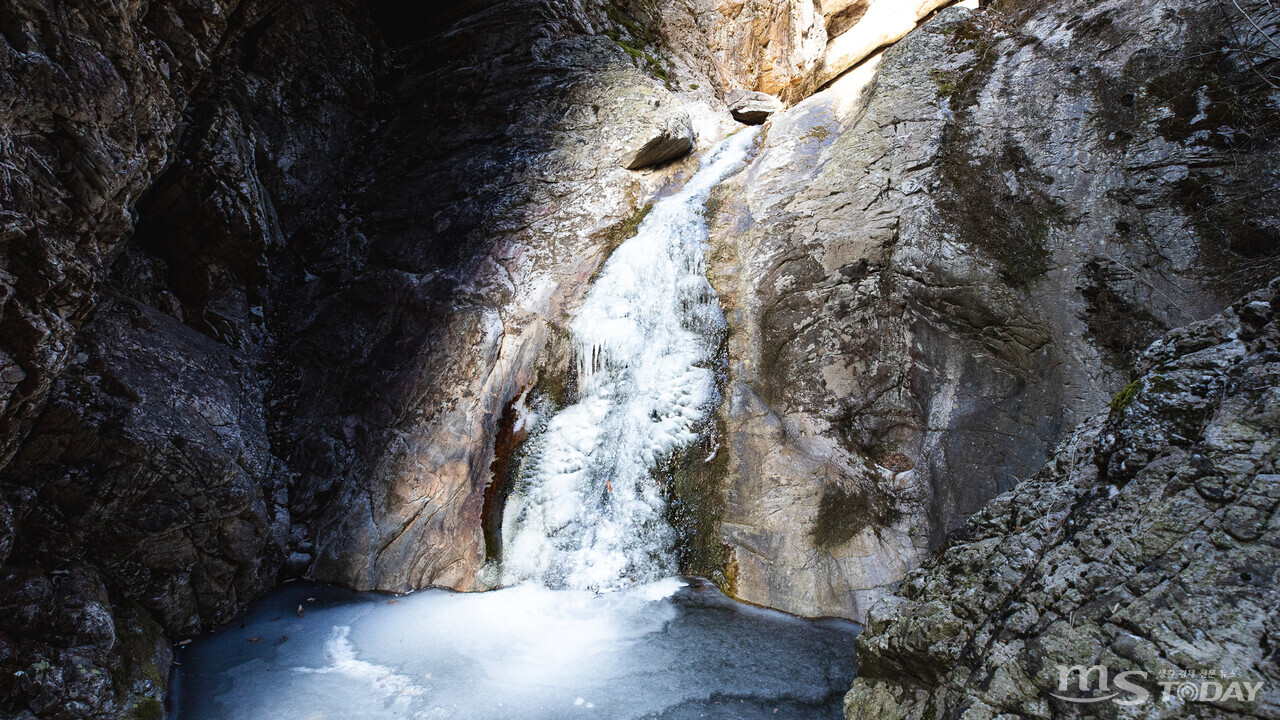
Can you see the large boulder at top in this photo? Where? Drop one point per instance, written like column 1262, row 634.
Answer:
column 752, row 107
column 671, row 137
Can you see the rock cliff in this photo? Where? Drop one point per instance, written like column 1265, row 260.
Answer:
column 942, row 263
column 156, row 159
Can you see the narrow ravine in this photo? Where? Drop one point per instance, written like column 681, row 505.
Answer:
column 593, row 623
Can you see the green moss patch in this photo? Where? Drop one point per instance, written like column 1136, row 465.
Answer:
column 843, row 513
column 635, row 31
column 147, row 708
column 698, row 496
column 1125, row 397
column 626, row 228
column 138, row 679
column 817, row 133
column 946, row 80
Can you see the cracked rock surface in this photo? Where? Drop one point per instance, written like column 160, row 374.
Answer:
column 1148, row 542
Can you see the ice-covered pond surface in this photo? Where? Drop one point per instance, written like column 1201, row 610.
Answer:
column 670, row 649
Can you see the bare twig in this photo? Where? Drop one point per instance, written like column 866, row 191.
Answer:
column 1261, row 32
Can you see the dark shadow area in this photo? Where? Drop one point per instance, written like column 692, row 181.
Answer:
column 404, row 22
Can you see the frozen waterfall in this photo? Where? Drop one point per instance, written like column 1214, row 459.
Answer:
column 588, row 512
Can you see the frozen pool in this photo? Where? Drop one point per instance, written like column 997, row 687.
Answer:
column 670, row 649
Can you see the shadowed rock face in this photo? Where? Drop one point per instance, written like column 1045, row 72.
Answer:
column 94, row 97
column 1147, row 542
column 147, row 498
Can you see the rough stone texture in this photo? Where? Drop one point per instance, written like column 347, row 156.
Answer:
column 756, row 44
column 94, row 93
column 673, row 137
column 150, row 474
column 786, row 49
column 1148, row 542
column 879, row 25
column 925, row 265
column 148, row 500
column 752, row 107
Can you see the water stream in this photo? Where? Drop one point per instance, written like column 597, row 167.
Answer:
column 592, row 624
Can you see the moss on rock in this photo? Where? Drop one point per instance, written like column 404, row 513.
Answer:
column 843, row 513
column 147, row 708
column 990, row 196
column 1126, row 395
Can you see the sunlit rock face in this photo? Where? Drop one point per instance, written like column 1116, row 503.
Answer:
column 879, row 24
column 937, row 267
column 785, row 49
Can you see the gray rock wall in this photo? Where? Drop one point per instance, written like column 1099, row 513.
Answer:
column 942, row 263
column 146, row 498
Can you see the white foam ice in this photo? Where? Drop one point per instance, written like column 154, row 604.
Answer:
column 589, row 513
column 343, row 661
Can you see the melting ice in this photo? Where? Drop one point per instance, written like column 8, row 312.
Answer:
column 588, row 513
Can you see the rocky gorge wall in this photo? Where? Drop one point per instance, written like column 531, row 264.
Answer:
column 273, row 292
column 943, row 262
column 1147, row 544
column 156, row 157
